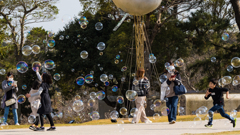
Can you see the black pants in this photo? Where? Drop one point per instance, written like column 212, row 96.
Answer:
column 41, row 119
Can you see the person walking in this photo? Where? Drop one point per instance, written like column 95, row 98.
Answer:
column 46, row 107
column 10, row 89
column 141, row 85
column 174, row 78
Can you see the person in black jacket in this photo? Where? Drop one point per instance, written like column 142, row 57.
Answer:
column 217, row 95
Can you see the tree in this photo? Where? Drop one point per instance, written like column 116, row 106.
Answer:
column 17, row 14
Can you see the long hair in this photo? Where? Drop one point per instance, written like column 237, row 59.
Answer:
column 46, row 78
column 36, row 84
column 140, row 73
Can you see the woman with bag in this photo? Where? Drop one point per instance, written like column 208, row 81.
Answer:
column 174, row 79
column 141, row 88
column 10, row 98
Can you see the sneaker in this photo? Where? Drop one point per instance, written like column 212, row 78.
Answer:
column 148, row 121
column 208, row 126
column 32, row 128
column 234, row 122
column 40, row 129
column 172, row 122
column 52, row 129
column 4, row 124
column 17, row 124
column 133, row 122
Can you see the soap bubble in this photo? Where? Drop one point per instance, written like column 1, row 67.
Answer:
column 100, row 95
column 36, row 49
column 31, row 119
column 78, row 106
column 123, row 79
column 157, row 102
column 213, row 59
column 91, row 102
column 80, row 81
column 131, row 95
column 104, row 78
column 101, row 53
column 51, row 43
column 99, row 26
column 2, row 71
column 235, row 62
column 82, row 19
column 133, row 74
column 152, row 107
column 116, row 61
column 120, row 99
column 197, row 121
column 67, row 37
column 56, row 76
column 233, row 114
column 152, row 59
column 101, row 68
column 101, row 46
column 35, row 65
column 21, row 99
column 156, row 116
column 61, row 37
column 229, row 68
column 49, row 64
column 202, row 111
column 78, row 35
column 115, row 88
column 110, row 77
column 26, row 50
column 165, row 111
column 236, row 80
column 227, row 80
column 106, row 83
column 60, row 115
column 123, row 111
column 133, row 111
column 93, row 95
column 66, row 18
column 135, row 82
column 84, row 25
column 24, row 87
column 225, row 36
column 162, row 78
column 124, row 68
column 179, row 62
column 22, row 67
column 118, row 57
column 84, row 54
column 181, row 110
column 91, row 72
column 89, row 78
column 36, row 104
column 96, row 84
column 220, row 82
column 50, row 34
column 114, row 114
column 94, row 115
column 77, row 97
column 72, row 69
column 167, row 64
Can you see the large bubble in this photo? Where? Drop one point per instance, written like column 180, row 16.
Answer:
column 91, row 102
column 21, row 99
column 100, row 95
column 225, row 36
column 36, row 49
column 235, row 62
column 26, row 50
column 94, row 115
column 213, row 59
column 152, row 59
column 165, row 111
column 201, row 111
column 236, row 80
column 226, row 80
column 99, row 26
column 78, row 106
column 84, row 25
column 157, row 102
column 101, row 46
column 233, row 114
column 89, row 78
column 61, row 37
column 82, row 19
column 131, row 95
column 51, row 43
column 103, row 78
column 115, row 88
column 120, row 99
column 31, row 119
column 179, row 62
column 123, row 111
column 24, row 87
column 84, row 54
column 114, row 114
column 93, row 95
column 49, row 64
column 22, row 67
column 133, row 111
column 124, row 68
column 56, row 76
column 162, row 78
column 35, row 65
column 229, row 68
column 156, row 116
column 2, row 72
column 80, row 81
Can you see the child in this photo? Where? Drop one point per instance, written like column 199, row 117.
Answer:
column 218, row 102
column 36, row 101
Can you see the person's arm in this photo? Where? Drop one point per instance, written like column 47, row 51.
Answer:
column 208, row 94
column 169, row 81
column 39, row 76
column 224, row 89
column 5, row 87
column 40, row 90
column 177, row 80
column 227, row 95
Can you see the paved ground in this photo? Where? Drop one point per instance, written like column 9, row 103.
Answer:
column 134, row 129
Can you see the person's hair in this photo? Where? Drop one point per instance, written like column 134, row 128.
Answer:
column 9, row 74
column 171, row 63
column 214, row 81
column 46, row 78
column 36, row 84
column 140, row 73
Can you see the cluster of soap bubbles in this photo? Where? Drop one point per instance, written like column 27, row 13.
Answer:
column 225, row 81
column 28, row 50
column 83, row 22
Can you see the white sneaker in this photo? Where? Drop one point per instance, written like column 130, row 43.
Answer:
column 17, row 124
column 133, row 122
column 148, row 121
column 172, row 122
column 4, row 124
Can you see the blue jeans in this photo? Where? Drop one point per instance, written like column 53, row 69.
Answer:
column 221, row 111
column 172, row 105
column 14, row 111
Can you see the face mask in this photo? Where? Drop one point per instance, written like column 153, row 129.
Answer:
column 10, row 79
column 171, row 69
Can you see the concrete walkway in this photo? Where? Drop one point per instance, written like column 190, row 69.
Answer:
column 134, row 129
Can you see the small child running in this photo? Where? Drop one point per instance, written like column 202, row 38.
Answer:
column 218, row 102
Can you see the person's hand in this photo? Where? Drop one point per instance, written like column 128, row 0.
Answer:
column 207, row 93
column 174, row 78
column 145, row 78
column 15, row 85
column 170, row 79
column 37, row 69
column 28, row 95
column 227, row 97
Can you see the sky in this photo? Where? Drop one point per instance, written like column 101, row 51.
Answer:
column 66, row 8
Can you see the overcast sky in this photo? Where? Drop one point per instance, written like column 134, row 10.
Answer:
column 66, row 7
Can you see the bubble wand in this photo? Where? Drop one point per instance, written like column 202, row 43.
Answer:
column 120, row 23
